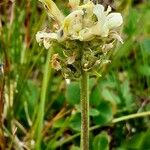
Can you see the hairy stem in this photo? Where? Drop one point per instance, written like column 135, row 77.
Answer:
column 84, row 111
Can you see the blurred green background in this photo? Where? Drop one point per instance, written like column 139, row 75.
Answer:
column 123, row 89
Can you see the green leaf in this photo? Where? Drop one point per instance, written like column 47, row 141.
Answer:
column 139, row 141
column 75, row 148
column 126, row 94
column 146, row 141
column 93, row 112
column 75, row 122
column 134, row 142
column 59, row 123
column 110, row 96
column 73, row 93
column 131, row 26
column 101, row 142
column 92, row 82
column 145, row 45
column 105, row 115
column 95, row 97
column 144, row 70
column 32, row 94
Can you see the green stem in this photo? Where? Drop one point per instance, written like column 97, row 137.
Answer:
column 84, row 111
column 132, row 116
column 41, row 108
column 124, row 118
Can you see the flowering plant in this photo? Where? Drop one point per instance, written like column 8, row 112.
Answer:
column 85, row 38
column 88, row 27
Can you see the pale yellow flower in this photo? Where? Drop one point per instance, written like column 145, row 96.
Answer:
column 53, row 10
column 74, row 4
column 88, row 23
column 84, row 23
column 72, row 24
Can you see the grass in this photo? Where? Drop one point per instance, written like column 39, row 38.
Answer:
column 53, row 115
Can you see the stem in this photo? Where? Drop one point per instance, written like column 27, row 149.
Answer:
column 132, row 116
column 41, row 108
column 2, row 84
column 84, row 111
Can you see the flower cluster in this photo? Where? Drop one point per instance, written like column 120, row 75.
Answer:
column 85, row 36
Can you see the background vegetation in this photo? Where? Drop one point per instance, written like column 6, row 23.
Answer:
column 123, row 89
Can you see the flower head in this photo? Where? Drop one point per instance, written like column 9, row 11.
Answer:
column 88, row 24
column 84, row 23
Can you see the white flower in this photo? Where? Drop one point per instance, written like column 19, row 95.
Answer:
column 106, row 21
column 46, row 38
column 84, row 23
column 72, row 24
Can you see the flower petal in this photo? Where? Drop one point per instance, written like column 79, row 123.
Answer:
column 98, row 11
column 114, row 20
column 117, row 37
column 53, row 10
column 85, row 1
column 46, row 38
column 86, row 35
column 74, row 3
column 108, row 10
column 47, row 43
column 87, row 14
column 101, row 27
column 72, row 24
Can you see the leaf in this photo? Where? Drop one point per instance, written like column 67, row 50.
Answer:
column 75, row 122
column 139, row 141
column 101, row 142
column 146, row 142
column 31, row 95
column 75, row 148
column 131, row 26
column 92, row 111
column 145, row 45
column 126, row 94
column 59, row 123
column 134, row 142
column 73, row 93
column 59, row 101
column 110, row 96
column 95, row 97
column 105, row 115
column 144, row 70
column 92, row 82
